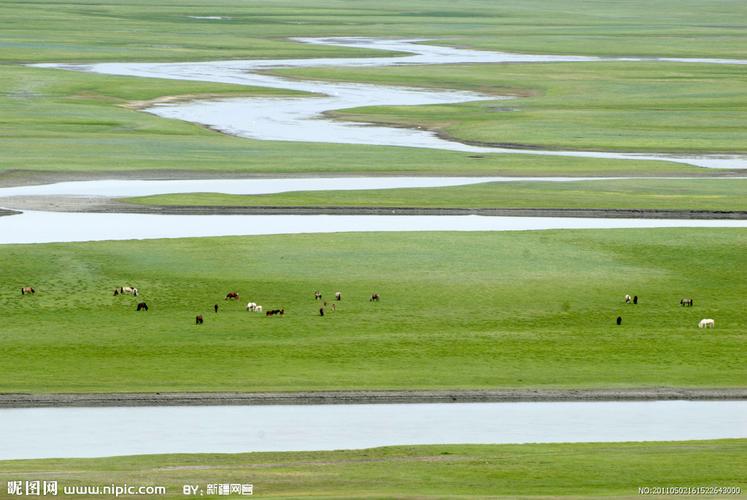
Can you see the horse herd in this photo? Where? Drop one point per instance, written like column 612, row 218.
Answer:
column 254, row 307
column 685, row 302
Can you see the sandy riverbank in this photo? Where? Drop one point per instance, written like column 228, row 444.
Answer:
column 363, row 397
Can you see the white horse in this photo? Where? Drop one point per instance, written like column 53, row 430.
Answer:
column 628, row 299
column 251, row 306
column 258, row 309
column 129, row 290
column 707, row 323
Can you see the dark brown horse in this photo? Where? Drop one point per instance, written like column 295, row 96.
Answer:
column 232, row 296
column 142, row 306
column 374, row 297
column 199, row 320
column 686, row 302
column 275, row 312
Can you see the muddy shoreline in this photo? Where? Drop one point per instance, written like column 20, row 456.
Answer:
column 363, row 397
column 100, row 204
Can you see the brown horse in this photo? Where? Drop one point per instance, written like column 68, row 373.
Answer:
column 199, row 320
column 142, row 306
column 275, row 312
column 374, row 297
column 232, row 296
column 27, row 289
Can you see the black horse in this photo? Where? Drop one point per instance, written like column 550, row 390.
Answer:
column 142, row 306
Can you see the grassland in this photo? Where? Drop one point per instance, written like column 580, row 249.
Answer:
column 604, row 469
column 62, row 122
column 640, row 194
column 458, row 310
column 623, row 106
column 44, row 30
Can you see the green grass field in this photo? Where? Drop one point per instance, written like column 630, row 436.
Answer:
column 58, row 121
column 438, row 471
column 623, row 106
column 641, row 194
column 458, row 310
column 54, row 120
column 48, row 30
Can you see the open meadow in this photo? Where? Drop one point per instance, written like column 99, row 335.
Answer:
column 438, row 471
column 523, row 312
column 457, row 311
column 58, row 121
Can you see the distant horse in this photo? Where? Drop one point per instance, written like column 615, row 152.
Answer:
column 318, row 295
column 619, row 320
column 214, row 307
column 686, row 302
column 628, row 299
column 251, row 306
column 130, row 290
column 258, row 309
column 374, row 297
column 321, row 311
column 275, row 312
column 707, row 323
column 142, row 306
column 232, row 296
column 199, row 320
column 27, row 289
column 338, row 296
column 635, row 299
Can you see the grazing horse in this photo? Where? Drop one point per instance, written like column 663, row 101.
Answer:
column 628, row 299
column 707, row 323
column 686, row 302
column 251, row 306
column 275, row 312
column 321, row 311
column 141, row 306
column 619, row 320
column 27, row 289
column 338, row 296
column 258, row 309
column 215, row 307
column 131, row 290
column 318, row 295
column 199, row 320
column 635, row 299
column 232, row 296
column 374, row 297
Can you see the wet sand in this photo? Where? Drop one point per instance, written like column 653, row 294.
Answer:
column 21, row 400
column 101, row 204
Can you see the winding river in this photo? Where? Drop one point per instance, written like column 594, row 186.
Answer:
column 93, row 432
column 301, row 118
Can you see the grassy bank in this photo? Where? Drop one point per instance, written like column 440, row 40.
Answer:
column 60, row 121
column 624, row 106
column 523, row 309
column 648, row 194
column 164, row 29
column 603, row 469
